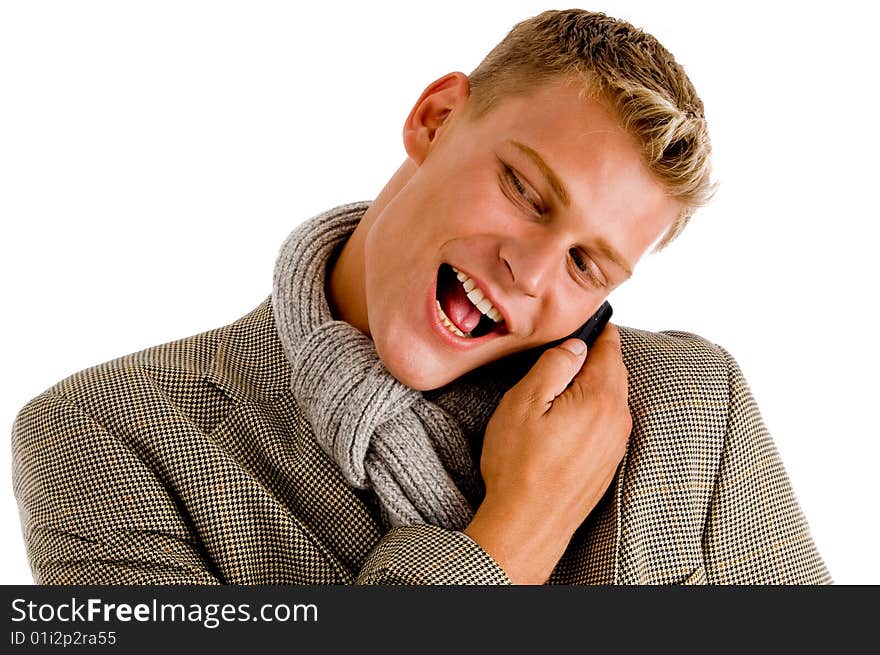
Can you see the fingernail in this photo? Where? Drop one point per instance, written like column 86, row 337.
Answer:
column 575, row 346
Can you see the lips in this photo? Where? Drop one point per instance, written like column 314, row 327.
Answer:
column 457, row 311
column 449, row 297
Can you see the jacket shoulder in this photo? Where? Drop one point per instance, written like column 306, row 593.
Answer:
column 673, row 366
column 200, row 375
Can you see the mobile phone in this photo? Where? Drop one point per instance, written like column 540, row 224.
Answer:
column 515, row 366
column 589, row 331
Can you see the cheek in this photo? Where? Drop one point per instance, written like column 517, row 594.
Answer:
column 391, row 262
column 569, row 311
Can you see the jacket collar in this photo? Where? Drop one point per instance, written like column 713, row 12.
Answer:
column 249, row 362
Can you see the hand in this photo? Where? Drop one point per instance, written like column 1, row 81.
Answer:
column 549, row 453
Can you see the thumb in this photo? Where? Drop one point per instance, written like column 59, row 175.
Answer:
column 552, row 373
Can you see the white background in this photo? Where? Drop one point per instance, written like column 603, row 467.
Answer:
column 154, row 155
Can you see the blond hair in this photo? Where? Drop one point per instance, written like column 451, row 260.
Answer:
column 628, row 69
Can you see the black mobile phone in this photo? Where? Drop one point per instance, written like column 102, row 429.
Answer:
column 517, row 365
column 590, row 330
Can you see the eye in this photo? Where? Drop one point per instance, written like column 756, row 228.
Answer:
column 582, row 262
column 520, row 189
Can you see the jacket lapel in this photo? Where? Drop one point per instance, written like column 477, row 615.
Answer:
column 271, row 435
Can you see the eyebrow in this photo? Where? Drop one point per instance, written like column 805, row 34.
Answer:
column 614, row 256
column 554, row 181
column 562, row 193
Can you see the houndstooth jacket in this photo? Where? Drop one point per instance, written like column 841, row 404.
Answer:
column 189, row 463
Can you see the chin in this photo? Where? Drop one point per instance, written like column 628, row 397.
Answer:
column 423, row 384
column 417, row 376
column 419, row 373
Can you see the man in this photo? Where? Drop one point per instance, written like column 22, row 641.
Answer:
column 391, row 414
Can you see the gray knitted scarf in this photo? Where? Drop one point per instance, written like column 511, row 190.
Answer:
column 418, row 451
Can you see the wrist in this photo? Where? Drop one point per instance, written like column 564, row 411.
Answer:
column 526, row 549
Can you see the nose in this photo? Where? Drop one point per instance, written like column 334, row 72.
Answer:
column 531, row 263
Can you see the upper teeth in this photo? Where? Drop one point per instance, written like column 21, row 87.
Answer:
column 478, row 297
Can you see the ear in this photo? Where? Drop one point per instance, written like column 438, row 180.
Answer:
column 431, row 112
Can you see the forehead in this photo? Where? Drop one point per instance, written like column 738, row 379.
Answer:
column 564, row 102
column 564, row 125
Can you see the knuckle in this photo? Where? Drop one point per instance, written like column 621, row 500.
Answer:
column 549, row 360
column 531, row 399
column 521, row 400
column 560, row 356
column 578, row 394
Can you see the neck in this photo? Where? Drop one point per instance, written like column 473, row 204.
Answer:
column 346, row 286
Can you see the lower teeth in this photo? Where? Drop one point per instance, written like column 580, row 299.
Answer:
column 449, row 324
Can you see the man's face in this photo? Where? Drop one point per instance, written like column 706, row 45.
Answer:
column 546, row 253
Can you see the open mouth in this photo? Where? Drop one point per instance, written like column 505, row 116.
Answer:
column 458, row 311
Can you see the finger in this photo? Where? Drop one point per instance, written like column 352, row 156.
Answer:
column 606, row 353
column 605, row 362
column 551, row 374
column 609, row 336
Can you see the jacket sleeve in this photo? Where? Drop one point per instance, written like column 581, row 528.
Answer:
column 755, row 531
column 429, row 555
column 91, row 511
